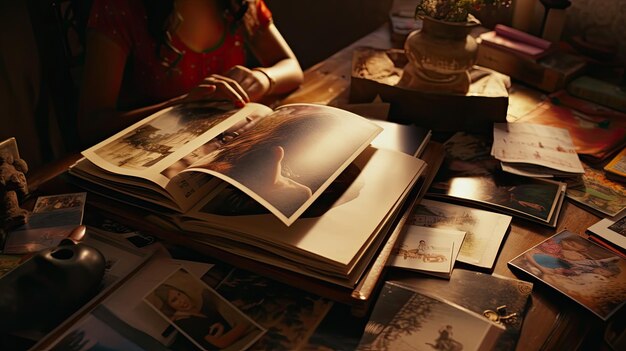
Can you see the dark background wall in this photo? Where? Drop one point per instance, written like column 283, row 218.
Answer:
column 315, row 29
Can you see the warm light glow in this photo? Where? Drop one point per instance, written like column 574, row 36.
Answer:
column 470, row 188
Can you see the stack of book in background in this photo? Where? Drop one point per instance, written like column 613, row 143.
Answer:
column 528, row 58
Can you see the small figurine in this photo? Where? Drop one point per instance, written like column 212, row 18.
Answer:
column 13, row 189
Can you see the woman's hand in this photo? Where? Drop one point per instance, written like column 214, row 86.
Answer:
column 218, row 87
column 255, row 82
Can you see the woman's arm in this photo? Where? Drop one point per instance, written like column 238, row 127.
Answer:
column 98, row 115
column 280, row 70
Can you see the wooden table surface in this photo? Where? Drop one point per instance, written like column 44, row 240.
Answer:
column 552, row 321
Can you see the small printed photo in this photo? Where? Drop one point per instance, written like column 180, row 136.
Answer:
column 587, row 273
column 404, row 319
column 35, row 239
column 619, row 227
column 612, row 230
column 420, row 248
column 203, row 316
column 60, row 202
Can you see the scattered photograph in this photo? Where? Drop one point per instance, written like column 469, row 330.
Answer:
column 60, row 202
column 288, row 313
column 113, row 229
column 425, row 249
column 94, row 334
column 611, row 230
column 471, row 174
column 202, row 315
column 585, row 272
column 52, row 220
column 484, row 230
column 598, row 193
column 102, row 330
column 404, row 319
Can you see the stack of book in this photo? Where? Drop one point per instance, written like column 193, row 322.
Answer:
column 297, row 191
column 528, row 58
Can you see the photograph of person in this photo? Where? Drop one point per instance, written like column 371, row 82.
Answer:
column 288, row 156
column 582, row 270
column 203, row 316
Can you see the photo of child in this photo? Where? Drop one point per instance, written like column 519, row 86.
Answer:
column 588, row 273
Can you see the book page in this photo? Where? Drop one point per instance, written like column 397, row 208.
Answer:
column 287, row 159
column 535, row 144
column 157, row 148
column 354, row 206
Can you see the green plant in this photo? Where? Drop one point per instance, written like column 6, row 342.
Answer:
column 454, row 10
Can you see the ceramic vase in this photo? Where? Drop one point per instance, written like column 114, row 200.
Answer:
column 440, row 55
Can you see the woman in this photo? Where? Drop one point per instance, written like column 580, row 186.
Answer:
column 203, row 323
column 145, row 55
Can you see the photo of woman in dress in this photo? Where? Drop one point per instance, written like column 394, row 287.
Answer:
column 202, row 315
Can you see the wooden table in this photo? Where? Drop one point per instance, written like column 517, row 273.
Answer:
column 552, row 321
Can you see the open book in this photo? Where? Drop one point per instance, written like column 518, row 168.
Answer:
column 283, row 159
column 297, row 188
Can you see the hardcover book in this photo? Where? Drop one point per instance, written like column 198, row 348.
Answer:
column 599, row 91
column 585, row 272
column 616, row 168
column 549, row 73
column 183, row 154
column 270, row 186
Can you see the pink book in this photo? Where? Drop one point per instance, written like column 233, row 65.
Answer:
column 522, row 37
column 516, row 41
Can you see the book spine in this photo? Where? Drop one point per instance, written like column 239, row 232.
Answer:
column 517, row 47
column 523, row 37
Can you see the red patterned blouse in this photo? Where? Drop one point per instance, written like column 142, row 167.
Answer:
column 147, row 79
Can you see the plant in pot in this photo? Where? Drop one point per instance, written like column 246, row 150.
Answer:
column 442, row 51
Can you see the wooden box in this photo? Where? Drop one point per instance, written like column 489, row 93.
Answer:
column 376, row 72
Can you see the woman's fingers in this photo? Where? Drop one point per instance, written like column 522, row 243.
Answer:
column 253, row 82
column 218, row 87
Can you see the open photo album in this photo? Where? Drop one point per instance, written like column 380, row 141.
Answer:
column 299, row 188
column 282, row 159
